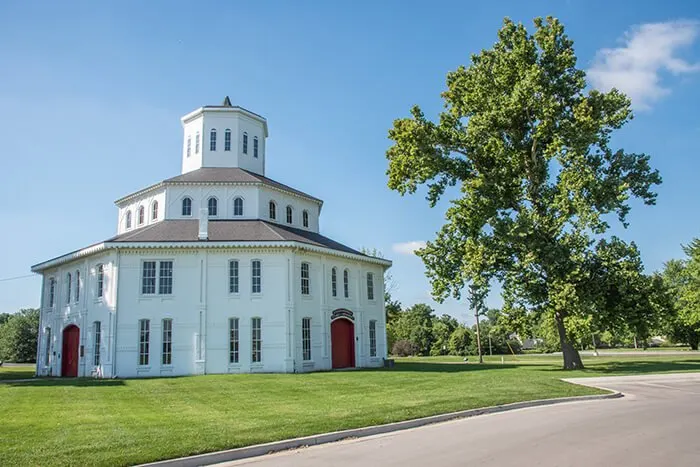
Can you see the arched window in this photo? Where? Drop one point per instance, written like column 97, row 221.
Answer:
column 305, row 289
column 255, row 147
column 154, row 210
column 77, row 286
column 52, row 291
column 273, row 210
column 346, row 284
column 142, row 215
column 128, row 219
column 187, row 206
column 212, row 139
column 97, row 342
column 334, row 282
column 100, row 280
column 227, row 140
column 196, row 143
column 289, row 215
column 370, row 286
column 245, row 143
column 69, row 283
column 189, row 146
column 256, row 276
column 238, row 207
column 213, row 206
column 305, row 218
column 47, row 349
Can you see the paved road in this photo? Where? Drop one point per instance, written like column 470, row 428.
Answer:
column 657, row 423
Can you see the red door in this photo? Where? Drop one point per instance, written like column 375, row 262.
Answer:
column 71, row 343
column 343, row 343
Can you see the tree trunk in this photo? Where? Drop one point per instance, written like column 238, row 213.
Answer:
column 693, row 340
column 572, row 359
column 478, row 338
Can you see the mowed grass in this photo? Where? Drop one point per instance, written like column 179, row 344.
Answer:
column 118, row 422
column 16, row 372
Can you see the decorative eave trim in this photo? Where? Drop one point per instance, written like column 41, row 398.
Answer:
column 139, row 193
column 219, row 109
column 205, row 244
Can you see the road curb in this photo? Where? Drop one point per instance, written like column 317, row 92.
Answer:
column 277, row 446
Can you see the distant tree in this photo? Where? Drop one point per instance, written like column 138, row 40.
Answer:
column 4, row 317
column 443, row 327
column 415, row 324
column 461, row 341
column 682, row 278
column 18, row 336
column 403, row 348
column 529, row 145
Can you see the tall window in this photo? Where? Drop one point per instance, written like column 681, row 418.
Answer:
column 165, row 278
column 346, row 283
column 245, row 143
column 256, row 335
column 69, row 283
column 255, row 147
column 144, row 341
column 238, row 207
column 166, row 357
column 233, row 276
column 47, row 349
column 77, row 286
column 370, row 286
column 289, row 215
column 305, row 278
column 213, row 206
column 154, row 210
column 52, row 292
column 100, row 280
column 372, row 338
column 227, row 140
column 273, row 210
column 256, row 285
column 187, row 206
column 212, row 140
column 128, row 219
column 97, row 341
column 162, row 276
column 305, row 218
column 233, row 340
column 142, row 215
column 196, row 143
column 189, row 146
column 306, row 338
column 334, row 282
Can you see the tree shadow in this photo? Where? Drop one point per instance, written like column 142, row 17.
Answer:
column 456, row 367
column 644, row 366
column 75, row 382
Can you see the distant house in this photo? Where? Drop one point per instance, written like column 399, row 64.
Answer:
column 217, row 270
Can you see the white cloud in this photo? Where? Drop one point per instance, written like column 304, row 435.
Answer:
column 648, row 49
column 407, row 248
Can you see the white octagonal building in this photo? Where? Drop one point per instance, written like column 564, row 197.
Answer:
column 217, row 270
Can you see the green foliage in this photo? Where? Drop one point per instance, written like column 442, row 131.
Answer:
column 442, row 329
column 403, row 348
column 18, row 336
column 461, row 341
column 528, row 145
column 682, row 279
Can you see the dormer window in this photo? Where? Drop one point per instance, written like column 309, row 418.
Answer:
column 128, row 219
column 154, row 210
column 213, row 206
column 305, row 218
column 255, row 147
column 142, row 215
column 245, row 143
column 187, row 206
column 238, row 207
column 212, row 140
column 189, row 146
column 289, row 215
column 273, row 210
column 227, row 140
column 196, row 143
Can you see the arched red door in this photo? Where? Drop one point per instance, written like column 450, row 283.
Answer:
column 71, row 344
column 343, row 343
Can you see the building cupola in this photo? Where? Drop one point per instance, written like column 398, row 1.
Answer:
column 224, row 136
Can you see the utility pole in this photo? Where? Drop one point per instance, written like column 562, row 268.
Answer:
column 490, row 349
column 478, row 337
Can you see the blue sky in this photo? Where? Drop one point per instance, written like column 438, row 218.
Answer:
column 91, row 95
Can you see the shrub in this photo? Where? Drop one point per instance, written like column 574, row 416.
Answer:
column 403, row 348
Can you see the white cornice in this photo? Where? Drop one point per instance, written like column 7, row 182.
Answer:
column 220, row 109
column 208, row 245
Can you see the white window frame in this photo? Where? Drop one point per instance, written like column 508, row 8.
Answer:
column 238, row 200
column 158, row 278
column 370, row 286
column 96, row 342
column 182, row 207
column 305, row 218
column 212, row 140
column 141, row 217
column 255, row 147
column 227, row 139
column 166, row 351
column 127, row 222
column 144, row 341
column 77, row 285
column 234, row 342
column 52, row 292
column 234, row 277
column 69, row 285
column 305, row 278
column 196, row 143
column 256, row 339
column 100, row 284
column 373, row 338
column 253, row 277
column 47, row 349
column 290, row 214
column 346, row 283
column 154, row 210
column 189, row 146
column 272, row 206
column 215, row 205
column 245, row 143
column 306, row 339
column 334, row 282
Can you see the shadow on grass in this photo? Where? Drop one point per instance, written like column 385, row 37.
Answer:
column 642, row 367
column 451, row 367
column 75, row 382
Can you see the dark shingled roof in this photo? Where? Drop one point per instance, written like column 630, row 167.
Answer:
column 231, row 174
column 187, row 230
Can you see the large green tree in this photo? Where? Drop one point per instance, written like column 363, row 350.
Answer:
column 682, row 277
column 18, row 336
column 529, row 147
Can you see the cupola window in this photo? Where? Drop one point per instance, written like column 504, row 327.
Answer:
column 212, row 140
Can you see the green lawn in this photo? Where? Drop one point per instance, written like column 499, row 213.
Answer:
column 116, row 422
column 16, row 372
